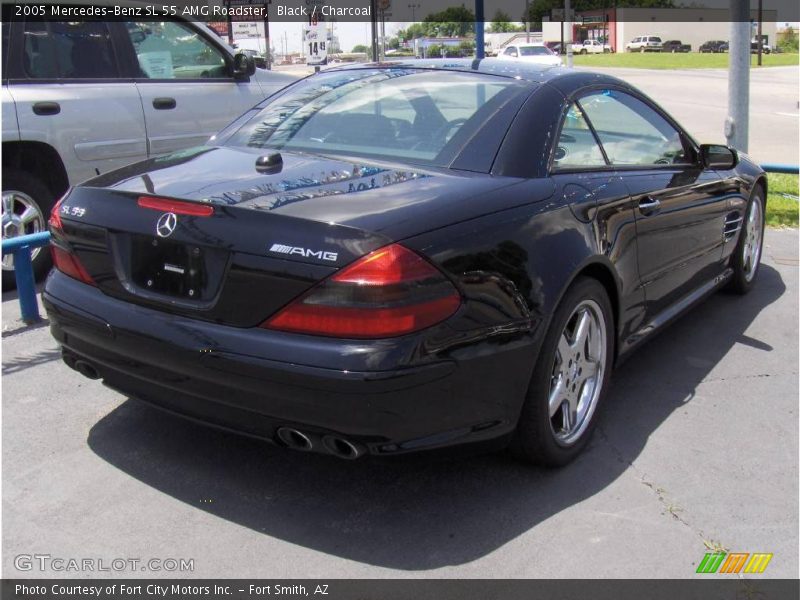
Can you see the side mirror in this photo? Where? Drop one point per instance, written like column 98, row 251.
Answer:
column 716, row 156
column 243, row 66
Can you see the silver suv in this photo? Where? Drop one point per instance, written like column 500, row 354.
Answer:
column 644, row 43
column 82, row 98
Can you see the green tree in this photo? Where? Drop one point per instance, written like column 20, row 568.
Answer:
column 788, row 41
column 360, row 48
column 501, row 23
column 542, row 8
column 456, row 21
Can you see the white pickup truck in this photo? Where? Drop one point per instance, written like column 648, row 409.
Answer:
column 590, row 47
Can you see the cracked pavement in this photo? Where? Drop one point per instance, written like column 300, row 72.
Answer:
column 697, row 450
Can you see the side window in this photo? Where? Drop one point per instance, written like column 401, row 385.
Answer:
column 511, row 51
column 577, row 146
column 169, row 50
column 631, row 132
column 68, row 50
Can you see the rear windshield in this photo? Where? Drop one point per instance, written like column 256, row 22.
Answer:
column 418, row 115
column 534, row 51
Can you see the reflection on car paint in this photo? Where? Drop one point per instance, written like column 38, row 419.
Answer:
column 269, row 196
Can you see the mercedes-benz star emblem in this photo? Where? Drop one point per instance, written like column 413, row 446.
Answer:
column 166, row 224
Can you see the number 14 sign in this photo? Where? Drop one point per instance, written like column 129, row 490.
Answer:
column 315, row 38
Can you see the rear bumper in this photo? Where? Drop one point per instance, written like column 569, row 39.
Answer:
column 254, row 381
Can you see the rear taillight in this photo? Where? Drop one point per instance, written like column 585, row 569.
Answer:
column 69, row 265
column 65, row 260
column 55, row 214
column 387, row 293
column 179, row 207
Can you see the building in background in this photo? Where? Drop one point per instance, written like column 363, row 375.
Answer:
column 619, row 26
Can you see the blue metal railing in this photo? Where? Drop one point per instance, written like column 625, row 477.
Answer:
column 23, row 271
column 779, row 168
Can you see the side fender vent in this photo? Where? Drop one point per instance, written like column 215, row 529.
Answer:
column 733, row 223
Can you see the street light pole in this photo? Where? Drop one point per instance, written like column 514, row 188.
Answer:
column 737, row 123
column 568, row 27
column 479, row 43
column 527, row 21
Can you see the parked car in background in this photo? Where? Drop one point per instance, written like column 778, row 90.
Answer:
column 530, row 53
column 765, row 49
column 675, row 46
column 313, row 276
column 644, row 43
column 591, row 47
column 714, row 46
column 555, row 47
column 80, row 99
column 259, row 59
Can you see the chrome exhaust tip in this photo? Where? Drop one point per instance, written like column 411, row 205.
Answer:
column 342, row 448
column 85, row 369
column 294, row 439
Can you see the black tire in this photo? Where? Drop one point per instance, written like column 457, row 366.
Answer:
column 14, row 179
column 744, row 277
column 535, row 439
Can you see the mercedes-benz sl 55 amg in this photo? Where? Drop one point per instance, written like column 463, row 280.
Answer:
column 390, row 258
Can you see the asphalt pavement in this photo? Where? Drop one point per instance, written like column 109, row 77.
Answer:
column 697, row 449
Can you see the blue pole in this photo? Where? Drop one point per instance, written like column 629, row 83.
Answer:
column 26, row 286
column 21, row 247
column 779, row 168
column 479, row 44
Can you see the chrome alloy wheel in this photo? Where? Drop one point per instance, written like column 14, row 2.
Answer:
column 21, row 216
column 578, row 370
column 753, row 229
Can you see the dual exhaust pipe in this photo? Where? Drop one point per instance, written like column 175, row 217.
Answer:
column 81, row 366
column 290, row 437
column 306, row 442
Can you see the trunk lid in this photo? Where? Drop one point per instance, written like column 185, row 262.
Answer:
column 269, row 237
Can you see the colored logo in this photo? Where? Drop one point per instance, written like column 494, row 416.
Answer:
column 735, row 562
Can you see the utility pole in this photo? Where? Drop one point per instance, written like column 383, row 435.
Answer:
column 760, row 8
column 568, row 27
column 737, row 123
column 374, row 18
column 480, row 50
column 413, row 6
column 527, row 21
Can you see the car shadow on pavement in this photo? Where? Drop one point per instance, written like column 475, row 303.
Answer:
column 424, row 512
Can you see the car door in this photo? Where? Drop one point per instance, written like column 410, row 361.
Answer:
column 680, row 206
column 71, row 93
column 185, row 81
column 595, row 193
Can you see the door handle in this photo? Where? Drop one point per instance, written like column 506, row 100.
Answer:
column 164, row 103
column 45, row 109
column 649, row 205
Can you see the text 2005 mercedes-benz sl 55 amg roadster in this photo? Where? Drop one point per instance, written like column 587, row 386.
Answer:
column 389, row 258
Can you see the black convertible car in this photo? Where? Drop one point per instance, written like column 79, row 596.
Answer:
column 397, row 257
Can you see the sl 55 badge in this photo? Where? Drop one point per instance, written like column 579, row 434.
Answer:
column 72, row 211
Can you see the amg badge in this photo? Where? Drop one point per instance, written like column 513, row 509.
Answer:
column 318, row 254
